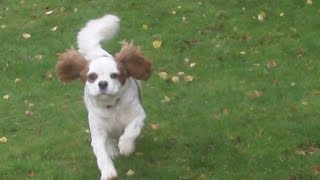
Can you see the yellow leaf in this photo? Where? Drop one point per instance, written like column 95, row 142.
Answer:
column 3, row 139
column 6, row 97
column 144, row 27
column 157, row 44
column 130, row 172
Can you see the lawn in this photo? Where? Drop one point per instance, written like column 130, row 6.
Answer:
column 235, row 92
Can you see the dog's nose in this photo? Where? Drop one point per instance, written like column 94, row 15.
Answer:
column 103, row 85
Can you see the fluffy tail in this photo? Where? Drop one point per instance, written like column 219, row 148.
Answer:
column 91, row 36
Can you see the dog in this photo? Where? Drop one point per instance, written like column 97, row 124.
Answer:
column 112, row 89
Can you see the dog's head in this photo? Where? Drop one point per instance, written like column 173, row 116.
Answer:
column 104, row 75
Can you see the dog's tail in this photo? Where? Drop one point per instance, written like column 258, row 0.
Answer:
column 96, row 31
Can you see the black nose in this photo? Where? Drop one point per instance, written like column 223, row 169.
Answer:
column 103, row 85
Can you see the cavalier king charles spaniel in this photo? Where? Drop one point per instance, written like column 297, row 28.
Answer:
column 111, row 90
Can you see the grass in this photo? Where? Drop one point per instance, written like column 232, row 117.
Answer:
column 251, row 111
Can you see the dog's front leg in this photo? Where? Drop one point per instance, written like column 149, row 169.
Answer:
column 104, row 161
column 126, row 142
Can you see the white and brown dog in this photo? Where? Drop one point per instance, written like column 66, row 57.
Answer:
column 112, row 90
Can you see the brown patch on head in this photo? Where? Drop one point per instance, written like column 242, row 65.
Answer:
column 132, row 62
column 72, row 65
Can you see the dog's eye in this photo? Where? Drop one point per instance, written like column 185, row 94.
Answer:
column 92, row 77
column 114, row 75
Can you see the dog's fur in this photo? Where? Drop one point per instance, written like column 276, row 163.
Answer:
column 111, row 92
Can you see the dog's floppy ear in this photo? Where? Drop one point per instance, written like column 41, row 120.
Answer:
column 72, row 65
column 132, row 61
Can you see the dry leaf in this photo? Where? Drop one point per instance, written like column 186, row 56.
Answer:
column 174, row 12
column 156, row 44
column 188, row 78
column 130, row 172
column 6, row 97
column 180, row 73
column 155, row 127
column 38, row 57
column 309, row 2
column 26, row 35
column 3, row 139
column 75, row 10
column 254, row 93
column 271, row 64
column 3, row 26
column 54, row 28
column 49, row 75
column 305, row 103
column 315, row 170
column 175, row 79
column 184, row 19
column 186, row 60
column 242, row 52
column 49, row 12
column 144, row 27
column 29, row 113
column 281, row 14
column 163, row 75
column 17, row 80
column 31, row 174
column 261, row 16
column 165, row 100
column 192, row 65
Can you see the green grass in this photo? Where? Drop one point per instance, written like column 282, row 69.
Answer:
column 238, row 118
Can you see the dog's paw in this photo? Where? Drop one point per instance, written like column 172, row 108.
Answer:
column 126, row 146
column 113, row 151
column 108, row 174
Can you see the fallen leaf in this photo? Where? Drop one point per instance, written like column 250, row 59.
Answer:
column 242, row 52
column 309, row 2
column 144, row 27
column 174, row 12
column 6, row 97
column 315, row 170
column 184, row 19
column 130, row 173
column 175, row 79
column 261, row 16
column 188, row 78
column 54, row 28
column 29, row 113
column 165, row 99
column 3, row 139
column 186, row 60
column 26, row 35
column 180, row 73
column 281, row 14
column 163, row 75
column 49, row 12
column 271, row 64
column 155, row 127
column 31, row 174
column 38, row 57
column 192, row 65
column 49, row 75
column 3, row 26
column 17, row 80
column 156, row 44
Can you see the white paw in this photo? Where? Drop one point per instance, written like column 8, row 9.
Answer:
column 126, row 146
column 108, row 174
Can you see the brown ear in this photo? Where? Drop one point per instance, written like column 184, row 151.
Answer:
column 71, row 65
column 133, row 62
